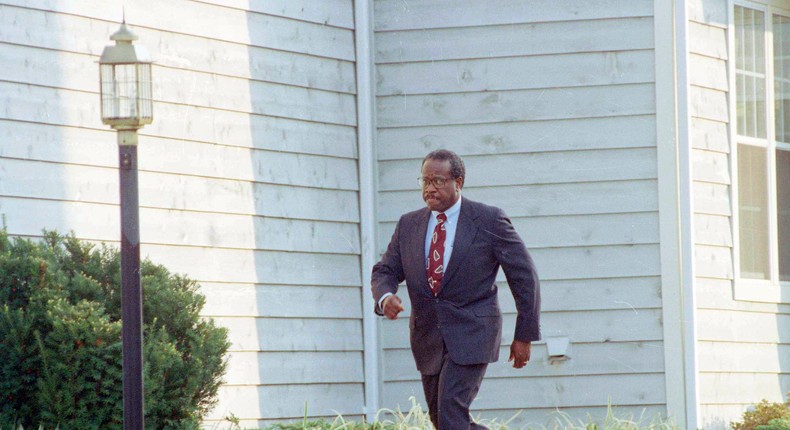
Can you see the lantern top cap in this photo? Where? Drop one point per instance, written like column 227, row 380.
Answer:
column 124, row 51
column 123, row 34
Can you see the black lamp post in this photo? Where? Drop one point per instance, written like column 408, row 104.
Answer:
column 126, row 105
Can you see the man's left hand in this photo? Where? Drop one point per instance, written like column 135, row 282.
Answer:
column 519, row 353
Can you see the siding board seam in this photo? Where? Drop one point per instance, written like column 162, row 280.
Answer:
column 710, row 24
column 292, row 18
column 208, row 142
column 192, row 105
column 466, row 124
column 179, row 174
column 28, row 197
column 512, row 90
column 198, row 36
column 191, row 70
column 489, row 26
column 498, row 57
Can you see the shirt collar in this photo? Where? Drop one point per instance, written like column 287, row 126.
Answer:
column 453, row 211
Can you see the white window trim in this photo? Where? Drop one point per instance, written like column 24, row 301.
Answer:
column 770, row 291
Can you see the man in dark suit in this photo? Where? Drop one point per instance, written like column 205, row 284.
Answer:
column 455, row 324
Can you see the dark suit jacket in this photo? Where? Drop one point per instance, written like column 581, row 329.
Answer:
column 465, row 314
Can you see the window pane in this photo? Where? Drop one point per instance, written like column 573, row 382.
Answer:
column 783, row 207
column 782, row 77
column 750, row 72
column 753, row 212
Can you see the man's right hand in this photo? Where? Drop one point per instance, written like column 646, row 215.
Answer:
column 392, row 307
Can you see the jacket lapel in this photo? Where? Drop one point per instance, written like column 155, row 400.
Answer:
column 465, row 233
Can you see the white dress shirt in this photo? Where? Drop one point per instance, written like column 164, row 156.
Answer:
column 450, row 226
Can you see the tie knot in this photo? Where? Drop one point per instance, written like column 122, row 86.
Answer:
column 441, row 218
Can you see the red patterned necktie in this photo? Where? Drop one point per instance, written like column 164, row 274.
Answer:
column 436, row 254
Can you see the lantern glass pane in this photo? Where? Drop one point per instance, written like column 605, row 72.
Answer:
column 119, row 91
column 145, row 93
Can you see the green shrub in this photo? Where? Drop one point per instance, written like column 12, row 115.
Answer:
column 763, row 414
column 776, row 424
column 60, row 345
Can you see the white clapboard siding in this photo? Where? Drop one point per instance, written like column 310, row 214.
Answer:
column 100, row 185
column 710, row 166
column 200, row 89
column 189, row 53
column 585, row 358
column 709, row 135
column 399, row 15
column 97, row 147
column 596, row 261
column 707, row 40
column 274, row 368
column 544, row 71
column 712, row 230
column 570, row 230
column 280, row 334
column 560, row 391
column 720, row 416
column 248, row 175
column 717, row 294
column 742, row 347
column 514, row 40
column 743, row 327
column 542, row 200
column 288, row 402
column 710, row 198
column 542, row 168
column 750, row 357
column 713, row 261
column 79, row 70
column 581, row 294
column 580, row 326
column 729, row 388
column 709, row 104
column 710, row 12
column 336, row 13
column 551, row 105
column 309, row 301
column 27, row 217
column 271, row 267
column 227, row 24
column 517, row 137
column 35, row 103
column 189, row 158
column 709, row 72
column 593, row 294
column 521, row 105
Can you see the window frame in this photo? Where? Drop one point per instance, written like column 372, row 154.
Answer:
column 771, row 290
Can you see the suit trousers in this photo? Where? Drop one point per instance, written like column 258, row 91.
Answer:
column 450, row 392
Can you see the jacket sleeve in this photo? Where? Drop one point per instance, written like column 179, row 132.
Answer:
column 521, row 275
column 387, row 273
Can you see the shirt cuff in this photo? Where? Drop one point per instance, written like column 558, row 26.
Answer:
column 381, row 300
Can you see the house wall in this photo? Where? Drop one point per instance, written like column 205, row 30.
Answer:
column 743, row 351
column 552, row 107
column 248, row 175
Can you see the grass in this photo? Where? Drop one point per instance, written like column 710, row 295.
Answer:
column 417, row 419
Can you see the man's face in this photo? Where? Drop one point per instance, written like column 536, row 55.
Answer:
column 440, row 198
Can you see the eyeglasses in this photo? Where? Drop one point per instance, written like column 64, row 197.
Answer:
column 437, row 181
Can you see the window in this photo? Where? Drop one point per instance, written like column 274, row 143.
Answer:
column 761, row 152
